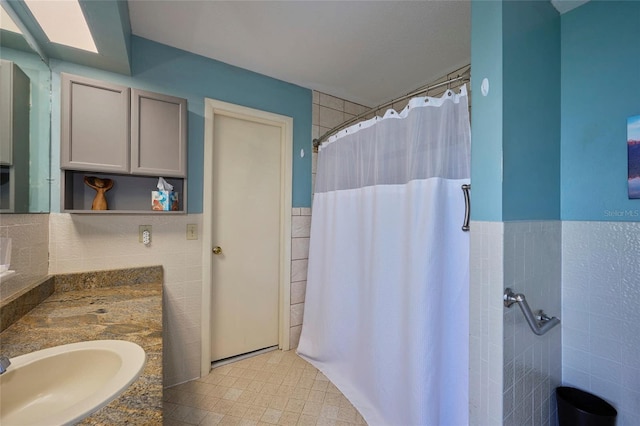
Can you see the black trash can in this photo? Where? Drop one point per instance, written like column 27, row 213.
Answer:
column 580, row 408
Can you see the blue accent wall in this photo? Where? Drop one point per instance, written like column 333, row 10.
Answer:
column 164, row 69
column 531, row 111
column 600, row 90
column 486, row 117
column 515, row 160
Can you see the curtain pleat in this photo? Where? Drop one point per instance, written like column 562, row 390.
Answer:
column 386, row 309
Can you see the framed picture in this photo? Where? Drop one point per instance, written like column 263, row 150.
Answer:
column 633, row 150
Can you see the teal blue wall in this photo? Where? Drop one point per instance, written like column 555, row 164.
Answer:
column 164, row 69
column 515, row 160
column 600, row 90
column 531, row 111
column 486, row 116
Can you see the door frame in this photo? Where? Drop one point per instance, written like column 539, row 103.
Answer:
column 212, row 108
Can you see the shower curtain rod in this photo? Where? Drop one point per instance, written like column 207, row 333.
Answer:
column 464, row 76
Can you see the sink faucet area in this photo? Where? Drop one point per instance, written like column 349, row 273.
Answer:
column 4, row 363
column 64, row 384
column 88, row 352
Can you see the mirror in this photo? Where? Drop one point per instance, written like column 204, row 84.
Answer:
column 25, row 79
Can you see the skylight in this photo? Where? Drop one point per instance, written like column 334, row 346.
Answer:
column 6, row 23
column 63, row 22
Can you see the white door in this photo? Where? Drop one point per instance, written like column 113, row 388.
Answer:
column 246, row 227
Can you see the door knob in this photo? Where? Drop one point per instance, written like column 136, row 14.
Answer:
column 217, row 250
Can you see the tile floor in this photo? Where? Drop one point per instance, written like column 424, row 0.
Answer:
column 273, row 388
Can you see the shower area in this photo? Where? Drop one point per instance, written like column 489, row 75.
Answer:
column 386, row 309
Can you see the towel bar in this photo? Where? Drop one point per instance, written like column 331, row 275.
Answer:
column 467, row 207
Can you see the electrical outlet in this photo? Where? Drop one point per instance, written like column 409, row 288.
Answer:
column 141, row 230
column 192, row 231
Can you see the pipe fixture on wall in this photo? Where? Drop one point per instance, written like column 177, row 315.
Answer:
column 539, row 322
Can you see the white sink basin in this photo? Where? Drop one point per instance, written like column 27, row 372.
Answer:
column 64, row 384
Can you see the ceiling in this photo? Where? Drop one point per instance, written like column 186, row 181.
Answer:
column 365, row 51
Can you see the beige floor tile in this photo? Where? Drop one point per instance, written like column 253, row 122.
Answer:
column 347, row 414
column 312, row 408
column 218, row 391
column 332, row 398
column 262, row 400
column 270, row 389
column 300, row 393
column 323, row 421
column 288, row 418
column 273, row 388
column 211, row 419
column 223, row 406
column 306, row 382
column 320, row 385
column 230, row 421
column 242, row 382
column 232, row 394
column 207, row 403
column 285, row 390
column 329, row 411
column 236, row 372
column 321, row 376
column 247, row 397
column 249, row 374
column 254, row 413
column 255, row 386
column 172, row 422
column 271, row 416
column 306, row 420
column 316, row 396
column 188, row 414
column 278, row 402
column 238, row 410
column 294, row 405
column 227, row 381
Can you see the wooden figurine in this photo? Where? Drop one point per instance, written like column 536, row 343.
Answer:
column 101, row 186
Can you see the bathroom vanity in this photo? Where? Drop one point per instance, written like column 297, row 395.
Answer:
column 122, row 304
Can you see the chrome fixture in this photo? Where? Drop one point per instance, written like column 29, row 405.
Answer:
column 4, row 364
column 467, row 206
column 539, row 322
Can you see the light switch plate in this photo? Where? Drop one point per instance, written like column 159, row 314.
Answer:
column 192, row 231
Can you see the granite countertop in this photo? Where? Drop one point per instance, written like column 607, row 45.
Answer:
column 75, row 313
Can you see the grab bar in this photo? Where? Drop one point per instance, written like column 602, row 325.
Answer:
column 539, row 323
column 467, row 207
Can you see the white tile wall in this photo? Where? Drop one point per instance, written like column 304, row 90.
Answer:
column 29, row 235
column 512, row 371
column 532, row 364
column 601, row 318
column 300, row 230
column 486, row 324
column 97, row 242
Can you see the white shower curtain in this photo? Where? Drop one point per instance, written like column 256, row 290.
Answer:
column 386, row 309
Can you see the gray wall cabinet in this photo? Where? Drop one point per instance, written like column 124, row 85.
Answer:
column 15, row 94
column 129, row 135
column 95, row 125
column 158, row 134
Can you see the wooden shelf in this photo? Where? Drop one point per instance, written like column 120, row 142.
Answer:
column 130, row 194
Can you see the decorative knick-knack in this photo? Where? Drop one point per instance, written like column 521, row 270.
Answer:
column 101, row 186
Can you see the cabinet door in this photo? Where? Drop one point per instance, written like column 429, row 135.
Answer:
column 95, row 125
column 158, row 134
